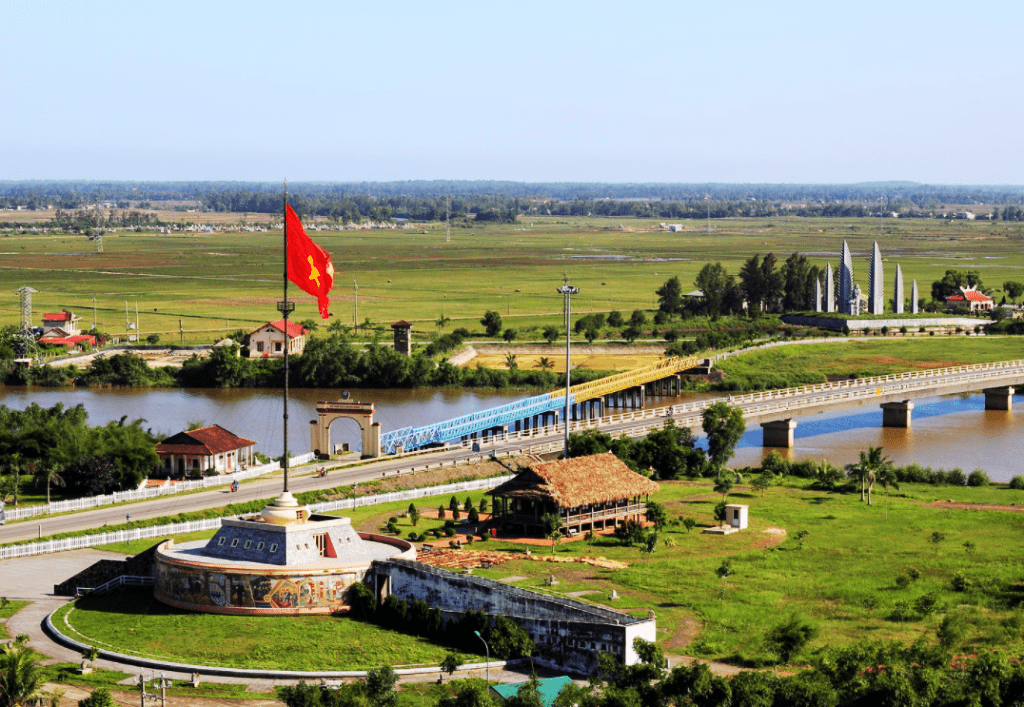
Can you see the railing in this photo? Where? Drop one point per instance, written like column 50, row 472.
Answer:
column 129, row 579
column 629, row 379
column 195, row 526
column 629, row 509
column 81, row 504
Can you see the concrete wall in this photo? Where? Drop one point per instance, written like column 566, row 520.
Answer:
column 838, row 324
column 569, row 634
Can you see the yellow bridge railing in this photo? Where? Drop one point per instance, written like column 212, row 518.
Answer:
column 629, row 379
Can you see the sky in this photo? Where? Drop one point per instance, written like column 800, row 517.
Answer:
column 559, row 90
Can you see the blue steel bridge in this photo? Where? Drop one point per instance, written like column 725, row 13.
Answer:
column 586, row 401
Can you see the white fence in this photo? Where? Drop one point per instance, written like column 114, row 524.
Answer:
column 81, row 504
column 195, row 526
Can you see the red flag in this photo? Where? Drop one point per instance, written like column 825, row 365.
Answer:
column 309, row 265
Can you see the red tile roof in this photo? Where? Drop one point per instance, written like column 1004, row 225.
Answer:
column 206, row 440
column 69, row 341
column 294, row 330
column 969, row 296
column 572, row 483
column 64, row 316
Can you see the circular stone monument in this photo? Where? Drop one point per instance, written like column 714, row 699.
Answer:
column 285, row 560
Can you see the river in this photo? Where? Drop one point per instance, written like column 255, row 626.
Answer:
column 950, row 431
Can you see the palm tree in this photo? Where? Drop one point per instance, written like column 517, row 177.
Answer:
column 442, row 321
column 50, row 475
column 19, row 676
column 510, row 361
column 886, row 476
column 545, row 364
column 15, row 467
column 871, row 463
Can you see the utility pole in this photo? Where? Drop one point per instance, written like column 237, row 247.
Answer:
column 127, row 336
column 137, row 332
column 567, row 291
column 355, row 306
column 181, row 333
column 447, row 219
column 93, row 312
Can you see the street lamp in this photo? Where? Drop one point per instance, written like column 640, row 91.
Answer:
column 487, row 665
column 567, row 291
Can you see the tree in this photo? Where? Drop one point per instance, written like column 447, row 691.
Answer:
column 670, row 297
column 491, row 322
column 511, row 362
column 867, row 469
column 752, row 284
column 451, row 662
column 442, row 321
column 101, row 697
column 509, row 335
column 631, row 333
column 50, row 475
column 715, row 283
column 15, row 468
column 1013, row 289
column 414, row 515
column 656, row 514
column 550, row 334
column 380, row 686
column 723, row 485
column 638, row 318
column 20, row 678
column 789, row 637
column 762, row 482
column 508, row 639
column 545, row 364
column 552, row 525
column 886, row 476
column 724, row 426
column 591, row 333
column 615, row 317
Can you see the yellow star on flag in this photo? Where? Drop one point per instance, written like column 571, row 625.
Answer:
column 314, row 274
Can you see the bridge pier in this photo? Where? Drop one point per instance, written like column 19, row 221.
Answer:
column 778, row 433
column 897, row 414
column 999, row 398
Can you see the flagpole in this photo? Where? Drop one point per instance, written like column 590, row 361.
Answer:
column 285, row 307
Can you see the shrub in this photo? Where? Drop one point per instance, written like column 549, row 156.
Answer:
column 955, row 477
column 449, row 532
column 1017, row 482
column 474, row 516
column 903, row 330
column 977, row 478
column 960, row 582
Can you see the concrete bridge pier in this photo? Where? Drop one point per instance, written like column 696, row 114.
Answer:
column 999, row 398
column 897, row 414
column 778, row 433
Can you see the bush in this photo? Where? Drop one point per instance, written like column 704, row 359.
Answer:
column 960, row 582
column 955, row 477
column 977, row 478
column 1017, row 482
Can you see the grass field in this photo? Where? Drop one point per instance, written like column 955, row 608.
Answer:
column 844, row 575
column 220, row 282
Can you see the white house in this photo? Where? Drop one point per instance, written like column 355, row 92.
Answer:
column 268, row 340
column 210, row 447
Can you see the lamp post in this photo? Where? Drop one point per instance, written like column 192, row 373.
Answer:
column 567, row 291
column 487, row 665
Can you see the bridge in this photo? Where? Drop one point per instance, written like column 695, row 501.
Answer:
column 525, row 417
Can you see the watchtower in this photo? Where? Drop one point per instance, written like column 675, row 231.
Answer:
column 403, row 337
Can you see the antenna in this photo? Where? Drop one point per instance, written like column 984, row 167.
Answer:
column 26, row 307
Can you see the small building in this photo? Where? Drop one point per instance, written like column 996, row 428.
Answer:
column 969, row 298
column 403, row 337
column 210, row 447
column 79, row 342
column 589, row 493
column 63, row 321
column 268, row 340
column 548, row 689
column 737, row 515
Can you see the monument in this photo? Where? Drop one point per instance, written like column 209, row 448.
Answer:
column 876, row 291
column 897, row 292
column 846, row 281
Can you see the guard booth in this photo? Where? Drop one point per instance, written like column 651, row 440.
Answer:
column 736, row 515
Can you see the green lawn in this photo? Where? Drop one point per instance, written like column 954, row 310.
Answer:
column 843, row 576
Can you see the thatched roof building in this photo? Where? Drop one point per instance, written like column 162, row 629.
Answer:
column 589, row 493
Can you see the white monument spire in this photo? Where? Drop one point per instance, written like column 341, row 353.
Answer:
column 830, row 289
column 845, row 280
column 876, row 290
column 897, row 292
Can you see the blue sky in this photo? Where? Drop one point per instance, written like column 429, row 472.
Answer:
column 527, row 91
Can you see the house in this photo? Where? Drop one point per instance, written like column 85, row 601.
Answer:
column 268, row 340
column 63, row 321
column 588, row 493
column 969, row 298
column 195, row 451
column 547, row 689
column 80, row 342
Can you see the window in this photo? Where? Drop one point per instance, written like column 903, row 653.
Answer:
column 259, row 346
column 221, row 541
column 321, row 544
column 248, row 544
column 273, row 547
column 260, row 546
column 277, row 346
column 234, row 542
